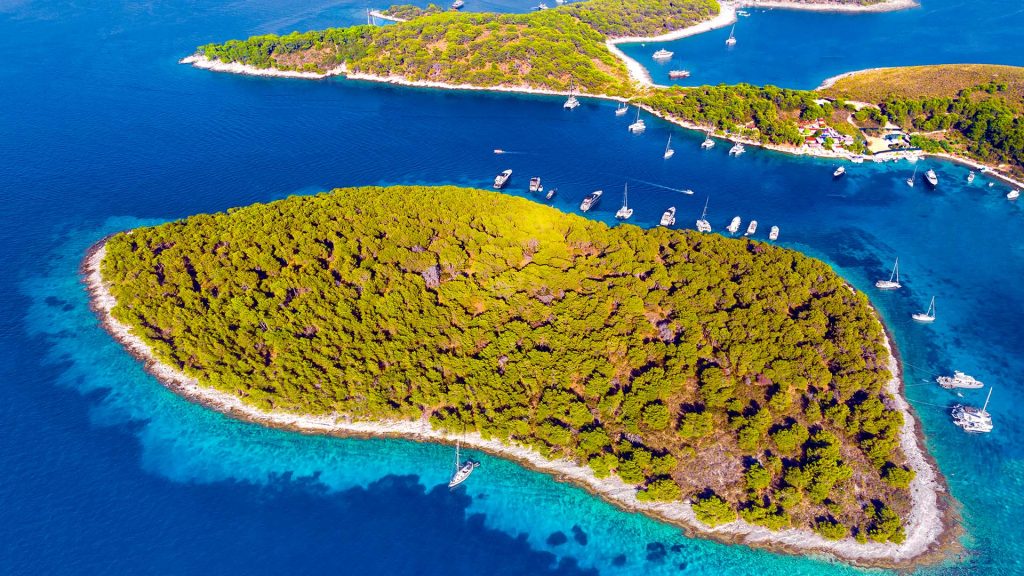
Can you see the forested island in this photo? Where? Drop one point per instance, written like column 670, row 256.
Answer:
column 553, row 50
column 733, row 378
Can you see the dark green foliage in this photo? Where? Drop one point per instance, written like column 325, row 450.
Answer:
column 789, row 439
column 660, row 490
column 770, row 516
column 885, row 525
column 486, row 312
column 772, row 110
column 713, row 510
column 897, row 476
column 647, row 18
column 831, row 529
column 757, row 478
column 410, row 11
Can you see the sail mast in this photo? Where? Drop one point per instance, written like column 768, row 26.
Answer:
column 984, row 408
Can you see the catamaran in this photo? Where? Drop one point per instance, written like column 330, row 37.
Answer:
column 622, row 109
column 973, row 419
column 773, row 234
column 731, row 40
column 662, row 54
column 708, row 143
column 737, row 149
column 462, row 469
column 591, row 200
column 734, row 226
column 669, row 217
column 501, row 179
column 913, row 177
column 959, row 380
column 535, row 184
column 668, row 149
column 625, row 212
column 571, row 103
column 751, row 228
column 932, row 179
column 926, row 317
column 894, row 279
column 839, row 172
column 703, row 225
column 638, row 125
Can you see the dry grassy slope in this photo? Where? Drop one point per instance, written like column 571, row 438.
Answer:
column 928, row 81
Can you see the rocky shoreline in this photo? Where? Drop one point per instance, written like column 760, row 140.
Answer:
column 929, row 528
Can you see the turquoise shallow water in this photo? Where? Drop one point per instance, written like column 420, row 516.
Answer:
column 107, row 472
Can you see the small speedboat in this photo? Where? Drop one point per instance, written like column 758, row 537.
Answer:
column 1013, row 194
column 970, row 177
column 501, row 179
column 734, row 226
column 931, row 178
column 535, row 184
column 550, row 194
column 751, row 228
column 458, row 4
column 669, row 217
column 773, row 234
column 839, row 172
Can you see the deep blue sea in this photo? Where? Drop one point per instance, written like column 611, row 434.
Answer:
column 106, row 472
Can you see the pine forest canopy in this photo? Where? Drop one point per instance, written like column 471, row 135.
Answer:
column 742, row 375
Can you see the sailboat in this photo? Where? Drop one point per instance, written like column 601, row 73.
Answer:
column 708, row 143
column 731, row 40
column 462, row 469
column 622, row 109
column 637, row 126
column 625, row 212
column 571, row 103
column 894, row 279
column 668, row 149
column 973, row 419
column 913, row 178
column 926, row 317
column 703, row 225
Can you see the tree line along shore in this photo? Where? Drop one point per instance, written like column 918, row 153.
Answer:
column 747, row 379
column 565, row 47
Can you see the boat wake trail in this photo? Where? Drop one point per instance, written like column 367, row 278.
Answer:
column 680, row 190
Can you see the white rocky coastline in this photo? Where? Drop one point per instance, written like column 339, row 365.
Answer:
column 924, row 526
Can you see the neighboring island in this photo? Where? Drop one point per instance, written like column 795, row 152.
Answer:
column 738, row 389
column 574, row 46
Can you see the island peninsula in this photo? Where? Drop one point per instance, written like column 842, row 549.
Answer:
column 737, row 389
column 575, row 46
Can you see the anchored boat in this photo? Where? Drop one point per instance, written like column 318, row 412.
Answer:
column 973, row 419
column 959, row 380
column 591, row 200
column 669, row 217
column 926, row 317
column 638, row 125
column 734, row 226
column 703, row 225
column 773, row 234
column 668, row 149
column 751, row 228
column 501, row 179
column 894, row 279
column 462, row 469
column 662, row 54
column 624, row 213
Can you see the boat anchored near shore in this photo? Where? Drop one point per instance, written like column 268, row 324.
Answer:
column 734, row 226
column 894, row 279
column 669, row 217
column 462, row 469
column 973, row 419
column 959, row 380
column 751, row 228
column 591, row 200
column 703, row 225
column 669, row 152
column 638, row 125
column 502, row 179
column 737, row 149
column 624, row 213
column 773, row 233
column 662, row 54
column 926, row 317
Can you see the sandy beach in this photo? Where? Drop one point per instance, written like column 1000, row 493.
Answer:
column 927, row 526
